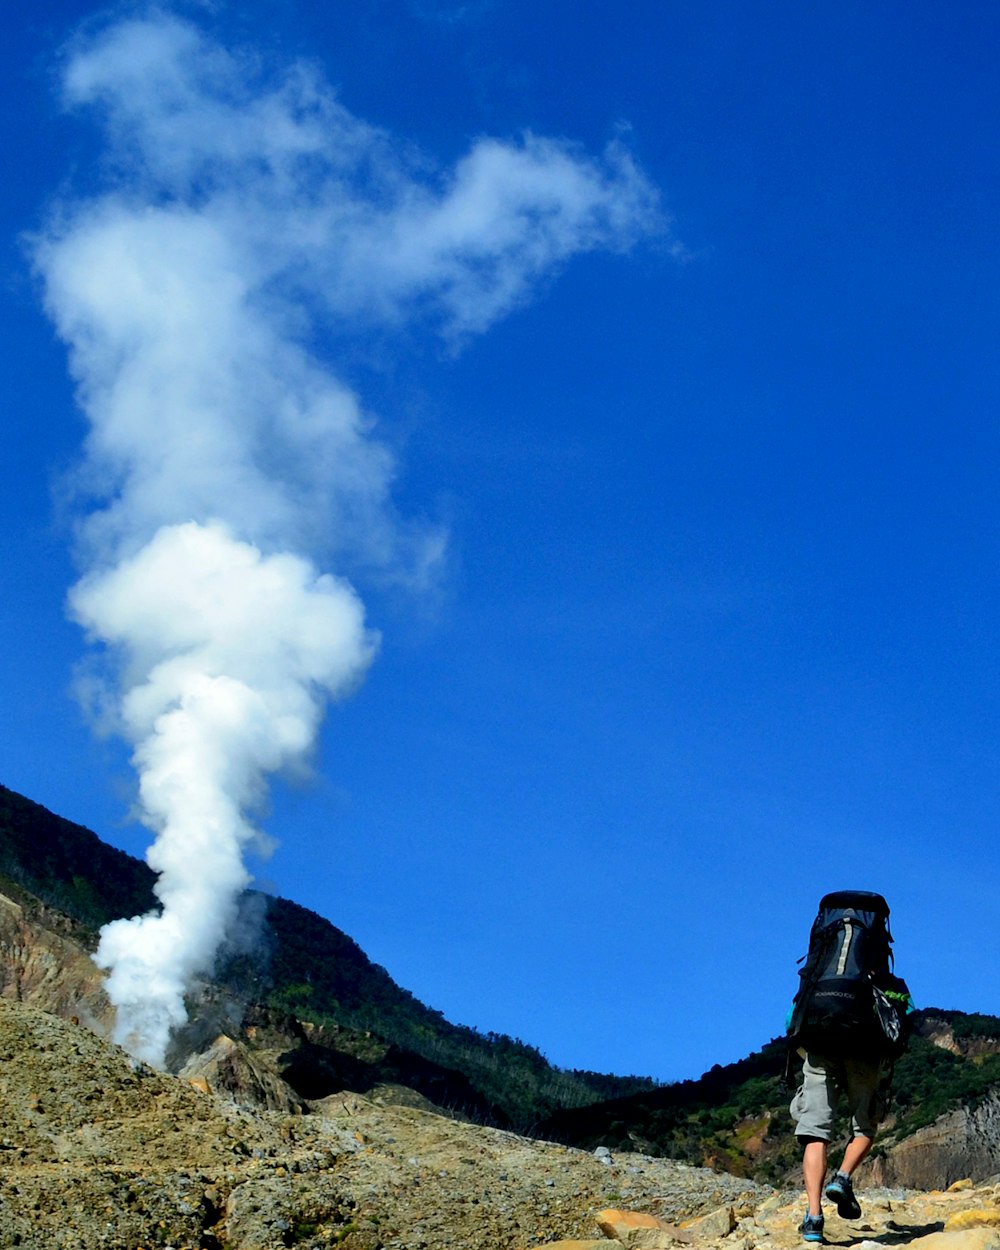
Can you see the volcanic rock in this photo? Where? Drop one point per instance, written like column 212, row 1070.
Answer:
column 44, row 963
column 228, row 1067
column 963, row 1143
column 98, row 1152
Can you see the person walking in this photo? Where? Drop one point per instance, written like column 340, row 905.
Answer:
column 848, row 1023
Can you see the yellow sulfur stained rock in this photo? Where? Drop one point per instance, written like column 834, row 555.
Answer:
column 600, row 1243
column 958, row 1186
column 638, row 1230
column 962, row 1239
column 614, row 1218
column 718, row 1223
column 976, row 1217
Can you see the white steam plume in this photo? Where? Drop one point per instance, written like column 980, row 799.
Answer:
column 225, row 460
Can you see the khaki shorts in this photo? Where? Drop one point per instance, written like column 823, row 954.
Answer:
column 823, row 1082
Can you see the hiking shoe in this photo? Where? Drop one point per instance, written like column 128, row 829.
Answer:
column 811, row 1228
column 841, row 1191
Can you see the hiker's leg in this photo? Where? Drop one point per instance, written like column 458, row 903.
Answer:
column 814, row 1173
column 812, row 1110
column 840, row 1189
column 861, row 1082
column 857, row 1149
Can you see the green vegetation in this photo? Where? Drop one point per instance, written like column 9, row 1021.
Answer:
column 718, row 1120
column 929, row 1081
column 966, row 1027
column 320, row 975
column 67, row 867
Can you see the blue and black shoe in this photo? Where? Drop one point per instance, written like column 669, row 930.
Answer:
column 841, row 1191
column 811, row 1228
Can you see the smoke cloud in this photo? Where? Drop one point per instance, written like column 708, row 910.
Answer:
column 241, row 213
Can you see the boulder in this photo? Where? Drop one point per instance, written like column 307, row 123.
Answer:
column 962, row 1239
column 600, row 1243
column 228, row 1067
column 638, row 1230
column 974, row 1217
column 718, row 1223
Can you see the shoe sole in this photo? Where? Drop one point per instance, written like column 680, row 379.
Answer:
column 847, row 1209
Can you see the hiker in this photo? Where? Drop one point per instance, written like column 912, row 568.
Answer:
column 848, row 1022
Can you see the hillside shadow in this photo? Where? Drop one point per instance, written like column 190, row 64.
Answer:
column 316, row 1071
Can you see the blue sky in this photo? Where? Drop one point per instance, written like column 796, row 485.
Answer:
column 715, row 627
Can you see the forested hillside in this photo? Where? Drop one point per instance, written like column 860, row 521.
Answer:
column 736, row 1116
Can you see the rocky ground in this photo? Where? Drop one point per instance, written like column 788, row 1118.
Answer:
column 97, row 1152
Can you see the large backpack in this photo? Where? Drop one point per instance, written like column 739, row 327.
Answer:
column 849, row 1003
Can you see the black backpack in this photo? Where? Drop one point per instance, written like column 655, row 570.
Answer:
column 849, row 1003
